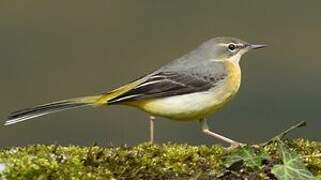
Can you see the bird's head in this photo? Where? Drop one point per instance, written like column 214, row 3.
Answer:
column 228, row 48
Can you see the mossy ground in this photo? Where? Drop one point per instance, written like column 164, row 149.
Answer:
column 144, row 161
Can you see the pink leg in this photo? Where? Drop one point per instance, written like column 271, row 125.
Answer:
column 151, row 128
column 206, row 130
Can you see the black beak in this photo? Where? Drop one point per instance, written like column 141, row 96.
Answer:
column 257, row 46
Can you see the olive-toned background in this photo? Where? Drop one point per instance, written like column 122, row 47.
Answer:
column 52, row 50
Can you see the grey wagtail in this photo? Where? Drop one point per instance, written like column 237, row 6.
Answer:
column 189, row 88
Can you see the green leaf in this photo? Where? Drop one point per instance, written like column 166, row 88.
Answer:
column 248, row 155
column 292, row 167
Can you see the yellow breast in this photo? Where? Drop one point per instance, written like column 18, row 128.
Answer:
column 234, row 76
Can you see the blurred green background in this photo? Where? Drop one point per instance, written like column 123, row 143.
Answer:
column 52, row 50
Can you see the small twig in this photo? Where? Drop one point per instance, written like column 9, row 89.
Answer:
column 284, row 133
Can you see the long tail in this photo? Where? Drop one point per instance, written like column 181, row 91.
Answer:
column 41, row 110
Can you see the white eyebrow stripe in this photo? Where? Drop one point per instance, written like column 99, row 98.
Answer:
column 222, row 44
column 225, row 45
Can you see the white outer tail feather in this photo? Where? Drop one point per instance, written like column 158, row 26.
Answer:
column 27, row 117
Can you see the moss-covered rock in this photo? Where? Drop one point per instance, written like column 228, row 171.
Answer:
column 144, row 161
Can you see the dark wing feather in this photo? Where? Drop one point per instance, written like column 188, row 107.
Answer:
column 165, row 84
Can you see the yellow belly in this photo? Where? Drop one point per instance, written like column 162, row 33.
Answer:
column 198, row 105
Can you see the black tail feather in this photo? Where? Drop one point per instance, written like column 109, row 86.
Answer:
column 41, row 110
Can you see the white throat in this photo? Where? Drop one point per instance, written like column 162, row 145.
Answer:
column 235, row 59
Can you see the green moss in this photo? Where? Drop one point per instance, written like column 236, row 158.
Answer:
column 141, row 161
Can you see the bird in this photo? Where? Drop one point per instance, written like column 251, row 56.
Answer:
column 189, row 88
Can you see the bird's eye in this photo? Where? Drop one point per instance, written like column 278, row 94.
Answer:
column 231, row 47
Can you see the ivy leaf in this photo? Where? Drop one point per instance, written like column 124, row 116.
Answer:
column 248, row 155
column 292, row 167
